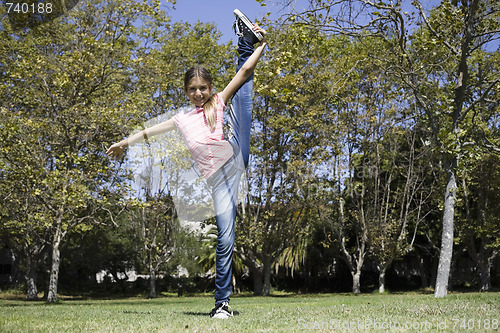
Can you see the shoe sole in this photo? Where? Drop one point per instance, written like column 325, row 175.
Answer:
column 248, row 23
column 221, row 316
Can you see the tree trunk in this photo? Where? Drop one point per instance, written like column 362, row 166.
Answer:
column 423, row 272
column 445, row 256
column 54, row 271
column 267, row 278
column 381, row 279
column 485, row 275
column 356, row 285
column 356, row 264
column 484, row 263
column 434, row 270
column 31, row 254
column 256, row 271
column 31, row 289
column 451, row 188
column 236, row 287
column 257, row 282
column 152, row 283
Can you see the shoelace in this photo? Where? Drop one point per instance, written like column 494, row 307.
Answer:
column 236, row 29
column 219, row 308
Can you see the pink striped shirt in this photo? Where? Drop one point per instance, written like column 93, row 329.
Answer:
column 208, row 148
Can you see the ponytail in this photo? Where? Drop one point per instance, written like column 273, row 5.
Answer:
column 209, row 109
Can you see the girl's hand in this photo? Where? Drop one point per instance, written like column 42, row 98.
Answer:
column 116, row 150
column 256, row 28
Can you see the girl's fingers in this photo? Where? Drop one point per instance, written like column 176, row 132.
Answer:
column 259, row 29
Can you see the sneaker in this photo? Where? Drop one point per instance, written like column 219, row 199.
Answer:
column 243, row 28
column 221, row 311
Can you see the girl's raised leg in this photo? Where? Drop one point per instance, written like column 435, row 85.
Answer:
column 240, row 114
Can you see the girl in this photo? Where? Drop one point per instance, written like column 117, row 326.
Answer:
column 221, row 162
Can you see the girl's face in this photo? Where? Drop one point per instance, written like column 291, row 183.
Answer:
column 198, row 91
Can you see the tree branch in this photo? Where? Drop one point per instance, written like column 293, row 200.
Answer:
column 479, row 99
column 434, row 32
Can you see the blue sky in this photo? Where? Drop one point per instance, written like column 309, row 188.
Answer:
column 220, row 12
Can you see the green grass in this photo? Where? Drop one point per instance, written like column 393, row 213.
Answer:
column 410, row 312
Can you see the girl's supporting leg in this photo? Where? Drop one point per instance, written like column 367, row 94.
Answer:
column 225, row 183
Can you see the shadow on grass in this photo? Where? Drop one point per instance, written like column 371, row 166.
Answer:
column 205, row 314
column 271, row 295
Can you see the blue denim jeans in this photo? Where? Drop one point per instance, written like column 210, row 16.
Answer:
column 225, row 182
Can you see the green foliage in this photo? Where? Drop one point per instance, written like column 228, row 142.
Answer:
column 369, row 117
column 407, row 97
column 66, row 86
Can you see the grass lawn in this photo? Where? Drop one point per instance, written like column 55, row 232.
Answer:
column 410, row 312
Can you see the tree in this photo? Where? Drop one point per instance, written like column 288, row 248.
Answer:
column 22, row 223
column 289, row 115
column 154, row 220
column 22, row 15
column 386, row 186
column 69, row 84
column 472, row 35
column 434, row 64
column 480, row 227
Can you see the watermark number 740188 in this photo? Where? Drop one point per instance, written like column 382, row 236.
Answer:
column 26, row 8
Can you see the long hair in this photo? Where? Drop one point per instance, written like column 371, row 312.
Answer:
column 209, row 106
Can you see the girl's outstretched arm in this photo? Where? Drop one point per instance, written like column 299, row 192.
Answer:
column 246, row 70
column 116, row 150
